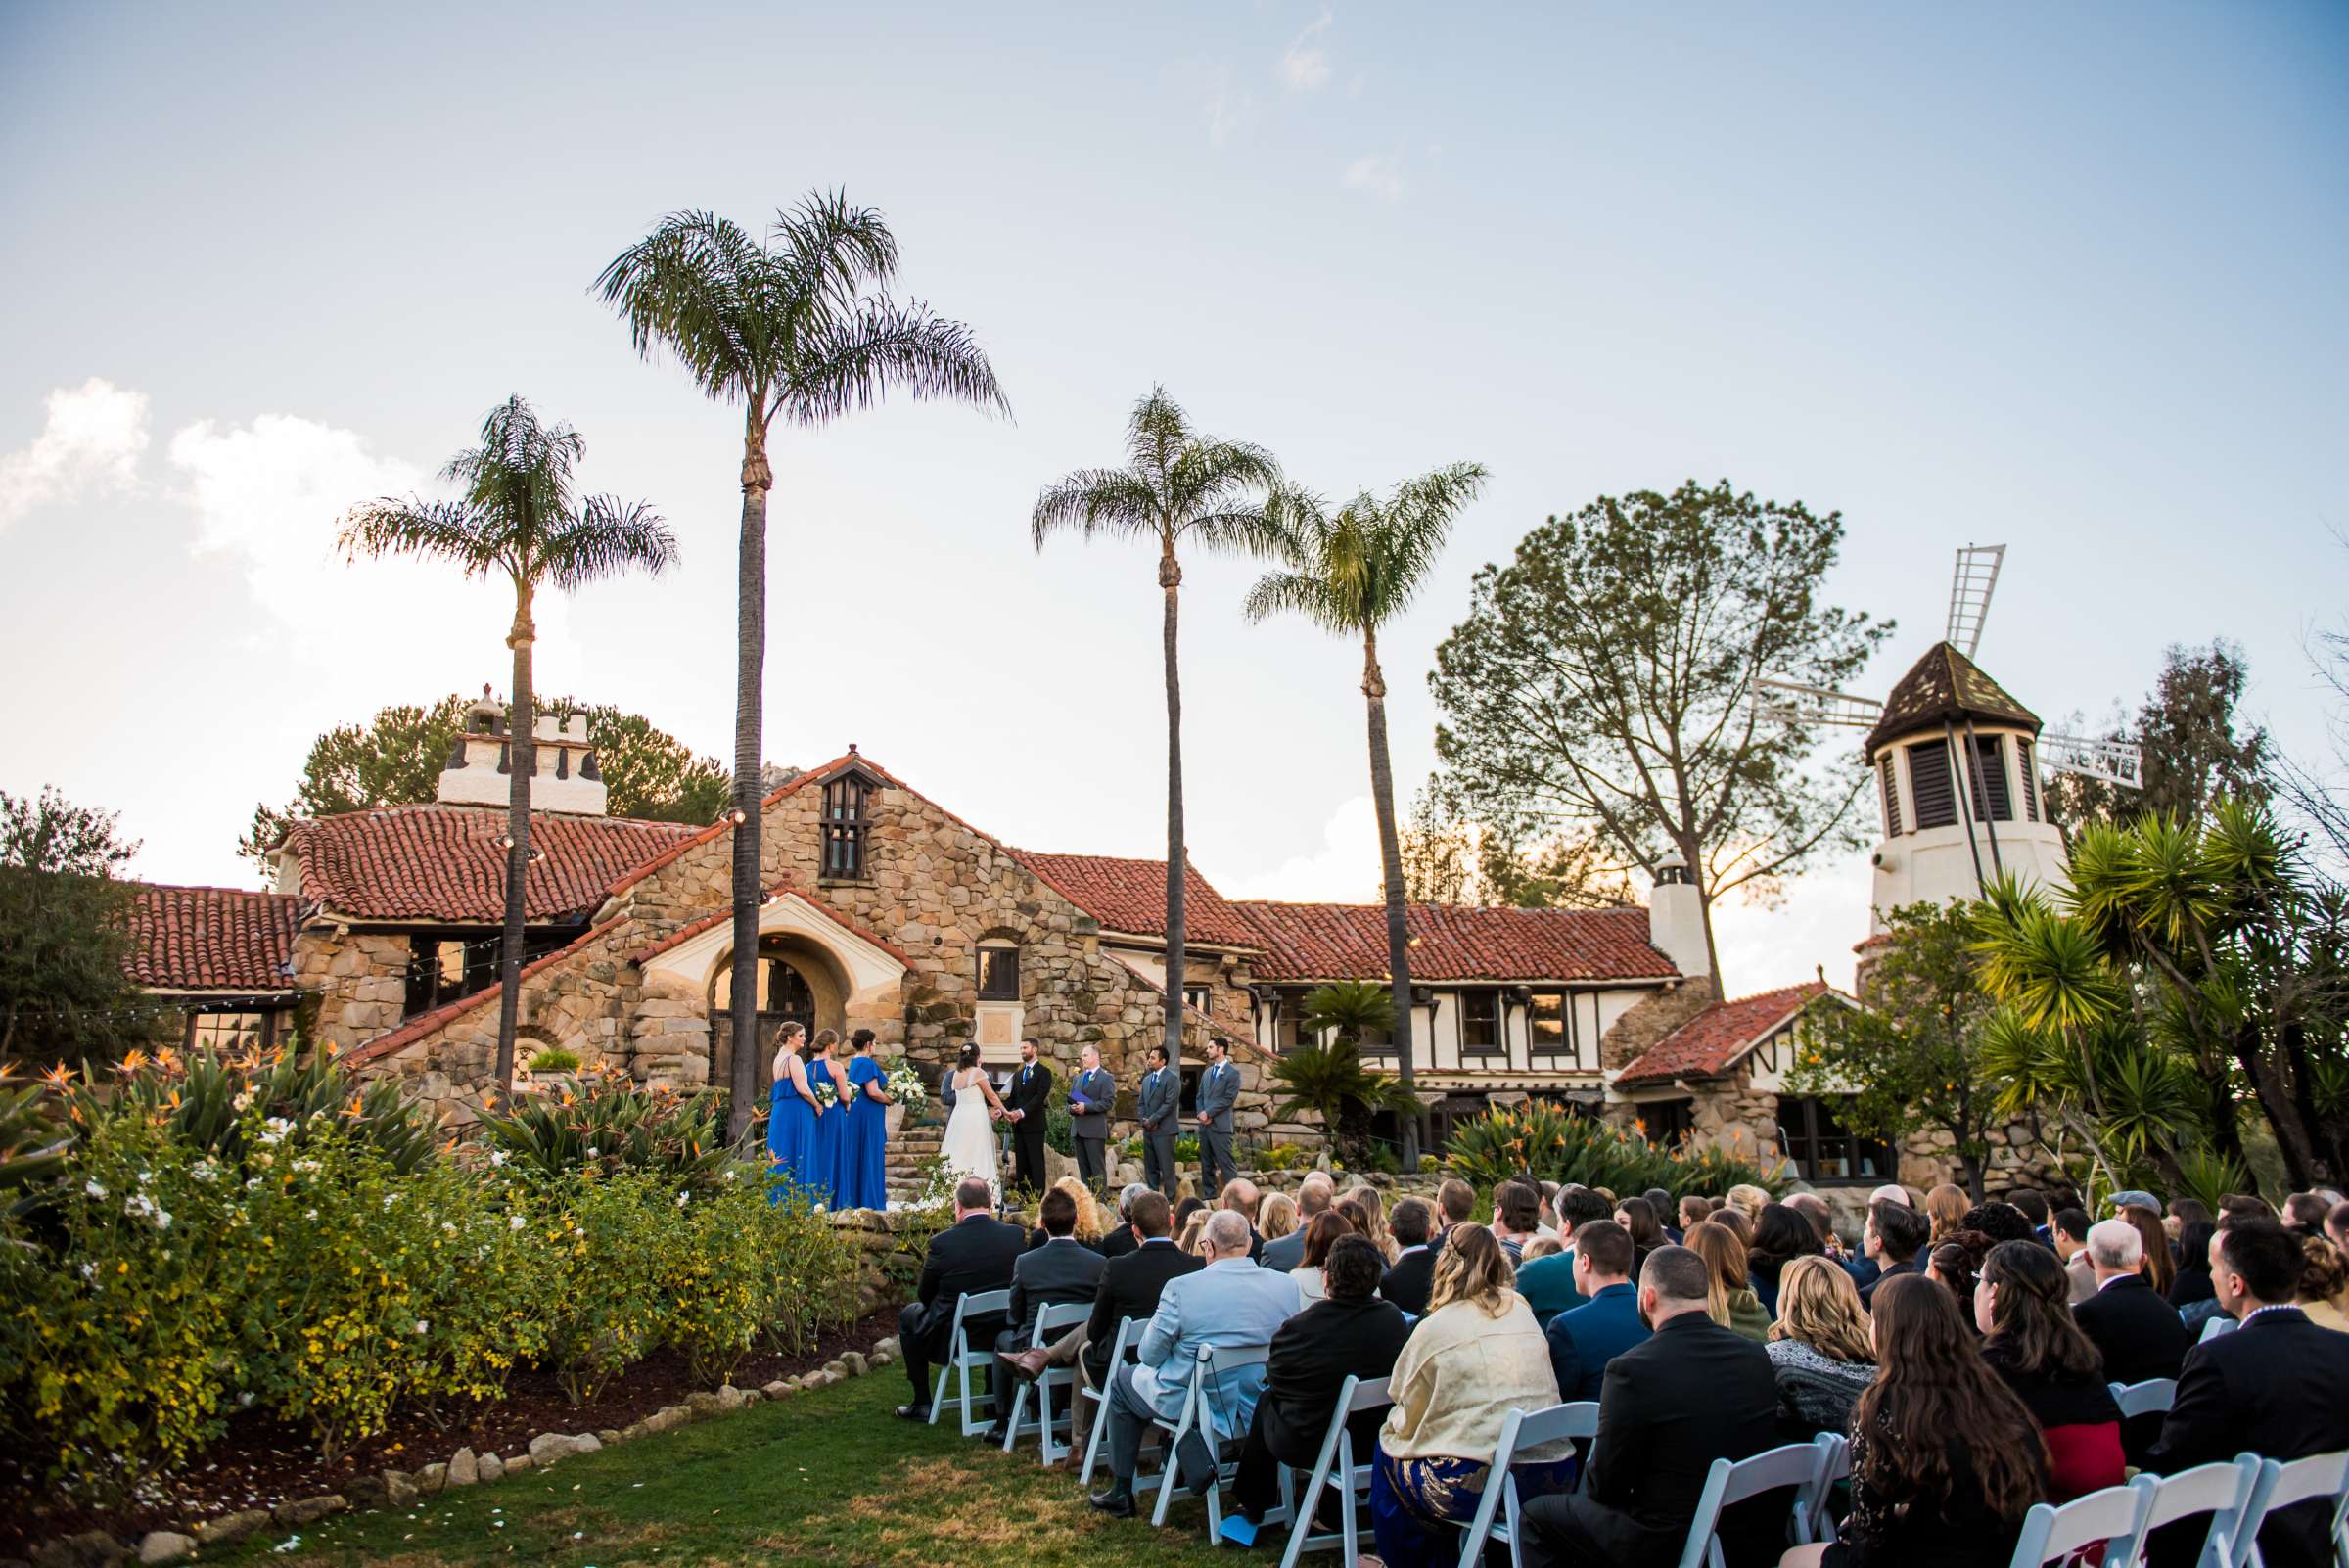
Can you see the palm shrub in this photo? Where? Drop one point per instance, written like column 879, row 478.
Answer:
column 1328, row 1078
column 605, row 1122
column 1549, row 1143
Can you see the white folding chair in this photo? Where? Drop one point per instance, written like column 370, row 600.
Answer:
column 1336, row 1466
column 2221, row 1490
column 2148, row 1397
column 1215, row 1365
column 1050, row 1323
column 1729, row 1483
column 2114, row 1515
column 2221, row 1324
column 1834, row 1464
column 2283, row 1483
column 961, row 1359
column 1497, row 1510
column 1129, row 1330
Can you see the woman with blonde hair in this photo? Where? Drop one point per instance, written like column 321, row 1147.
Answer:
column 1947, row 1207
column 1818, row 1347
column 2323, row 1283
column 1748, row 1200
column 1476, row 1356
column 1194, row 1230
column 1373, row 1223
column 1090, row 1227
column 1729, row 1300
column 1276, row 1217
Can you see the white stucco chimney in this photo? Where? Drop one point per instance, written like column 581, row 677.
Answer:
column 1676, row 919
column 478, row 771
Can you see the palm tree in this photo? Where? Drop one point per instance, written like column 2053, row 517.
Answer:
column 793, row 326
column 517, row 516
column 1329, row 1079
column 1351, row 574
column 1178, row 485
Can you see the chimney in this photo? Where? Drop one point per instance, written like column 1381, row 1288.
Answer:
column 479, row 767
column 1676, row 919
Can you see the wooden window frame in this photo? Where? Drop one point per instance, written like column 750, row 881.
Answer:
column 1810, row 1150
column 1925, row 757
column 843, row 824
column 1566, row 1046
column 981, row 977
column 1993, row 799
column 1500, row 1046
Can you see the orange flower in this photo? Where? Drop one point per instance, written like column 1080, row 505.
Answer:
column 58, row 1076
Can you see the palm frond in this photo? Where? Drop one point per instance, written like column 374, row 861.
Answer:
column 1097, row 501
column 687, row 287
column 836, row 247
column 849, row 361
column 445, row 530
column 608, row 537
column 1296, row 592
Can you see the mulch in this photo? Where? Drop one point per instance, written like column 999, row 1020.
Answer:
column 260, row 1462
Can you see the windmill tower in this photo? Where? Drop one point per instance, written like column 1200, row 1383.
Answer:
column 1957, row 762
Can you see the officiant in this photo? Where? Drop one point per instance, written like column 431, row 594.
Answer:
column 1091, row 1093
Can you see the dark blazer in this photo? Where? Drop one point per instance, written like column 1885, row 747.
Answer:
column 1120, row 1241
column 1867, row 1292
column 978, row 1254
column 1312, row 1355
column 2278, row 1386
column 2140, row 1334
column 1033, row 1097
column 1585, row 1339
column 1409, row 1282
column 1129, row 1288
column 1058, row 1272
column 1691, row 1393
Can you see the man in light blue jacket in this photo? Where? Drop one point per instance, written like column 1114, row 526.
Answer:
column 1219, row 1092
column 1231, row 1301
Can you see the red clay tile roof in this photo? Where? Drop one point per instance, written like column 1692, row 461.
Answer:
column 1453, row 942
column 211, row 939
column 1945, row 687
column 1710, row 1044
column 1131, row 895
column 443, row 862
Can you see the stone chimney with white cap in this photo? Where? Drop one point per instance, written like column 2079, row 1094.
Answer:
column 1676, row 918
column 480, row 769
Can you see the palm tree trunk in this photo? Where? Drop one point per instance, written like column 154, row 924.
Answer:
column 521, row 759
column 1170, row 580
column 749, row 671
column 1390, row 860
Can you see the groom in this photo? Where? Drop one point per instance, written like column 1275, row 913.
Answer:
column 1031, row 1094
column 1091, row 1092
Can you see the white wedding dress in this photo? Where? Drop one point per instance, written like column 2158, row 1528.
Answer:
column 970, row 1141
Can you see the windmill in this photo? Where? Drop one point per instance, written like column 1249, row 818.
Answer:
column 1958, row 761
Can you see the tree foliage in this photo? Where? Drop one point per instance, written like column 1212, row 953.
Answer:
column 1446, row 859
column 63, row 932
column 1328, row 1078
column 1601, row 684
column 2192, row 752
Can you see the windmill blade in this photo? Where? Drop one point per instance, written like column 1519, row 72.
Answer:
column 1788, row 702
column 2115, row 762
column 1971, row 588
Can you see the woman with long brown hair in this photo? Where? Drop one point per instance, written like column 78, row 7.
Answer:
column 2022, row 1304
column 1729, row 1300
column 1946, row 1206
column 2160, row 1265
column 1322, row 1234
column 1647, row 1230
column 1945, row 1460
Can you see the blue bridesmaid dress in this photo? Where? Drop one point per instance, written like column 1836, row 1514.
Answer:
column 863, row 1175
column 831, row 1131
column 791, row 1144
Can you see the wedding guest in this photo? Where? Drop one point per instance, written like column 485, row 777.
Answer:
column 791, row 1115
column 1516, row 1218
column 1638, row 1218
column 2070, row 1229
column 1737, row 1222
column 1455, row 1203
column 1998, row 1222
column 1373, row 1221
column 1816, row 1209
column 1285, row 1251
column 2279, row 1386
column 2182, row 1212
column 1474, row 1357
column 1945, row 1460
column 2243, row 1206
column 2160, row 1265
column 1412, row 1275
column 2336, row 1226
column 1694, row 1208
column 1241, row 1196
column 1156, row 1109
column 1546, row 1220
column 2023, row 1309
column 2134, row 1328
column 1061, row 1272
column 1946, row 1208
column 1319, row 1238
column 1893, row 1237
column 1951, row 1264
column 1218, row 1092
column 1545, row 1277
column 828, row 1081
column 863, row 1178
column 2192, row 1283
column 1748, row 1200
column 970, row 1257
column 1584, row 1340
column 1276, row 1218
column 1090, row 1227
column 1231, row 1302
column 1188, row 1205
column 1130, row 1284
column 1194, row 1233
column 1731, row 1302
column 2304, row 1214
column 1350, row 1332
column 1669, row 1407
column 2032, row 1203
column 1818, row 1349
column 1781, row 1234
column 1660, row 1202
column 2323, row 1283
column 1121, row 1238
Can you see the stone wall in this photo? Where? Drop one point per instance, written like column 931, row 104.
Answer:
column 361, row 979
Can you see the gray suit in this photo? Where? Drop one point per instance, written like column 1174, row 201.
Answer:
column 1090, row 1127
column 1219, row 1091
column 1061, row 1269
column 1158, row 1108
column 1285, row 1254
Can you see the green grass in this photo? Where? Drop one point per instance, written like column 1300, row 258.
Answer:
column 829, row 1477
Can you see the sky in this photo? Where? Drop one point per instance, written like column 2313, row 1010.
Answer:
column 2068, row 279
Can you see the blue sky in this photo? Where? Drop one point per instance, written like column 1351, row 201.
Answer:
column 2065, row 278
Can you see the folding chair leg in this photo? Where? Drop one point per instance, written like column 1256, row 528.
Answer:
column 938, row 1397
column 1094, row 1438
column 1011, row 1428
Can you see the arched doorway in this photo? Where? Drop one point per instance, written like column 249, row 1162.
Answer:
column 798, row 983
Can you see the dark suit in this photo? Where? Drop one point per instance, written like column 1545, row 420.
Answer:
column 2277, row 1387
column 1312, row 1355
column 1585, row 1339
column 2141, row 1336
column 1130, row 1288
column 1410, row 1279
column 1118, row 1243
column 1061, row 1269
column 1030, row 1093
column 1691, row 1393
column 975, row 1256
column 1156, row 1107
column 1867, row 1292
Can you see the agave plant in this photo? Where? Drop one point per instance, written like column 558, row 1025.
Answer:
column 205, row 1099
column 1549, row 1143
column 603, row 1122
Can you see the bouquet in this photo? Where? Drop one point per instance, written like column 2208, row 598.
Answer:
column 903, row 1083
column 827, row 1094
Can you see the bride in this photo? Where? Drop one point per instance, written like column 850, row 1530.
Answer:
column 969, row 1146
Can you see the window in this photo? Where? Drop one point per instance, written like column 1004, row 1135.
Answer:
column 1288, row 1027
column 442, row 969
column 2024, row 765
column 1892, row 797
column 1930, row 791
column 1667, row 1122
column 1195, row 997
column 1991, row 801
column 844, row 827
column 998, row 972
column 1480, row 1023
column 227, row 1033
column 1823, row 1149
column 1550, row 1019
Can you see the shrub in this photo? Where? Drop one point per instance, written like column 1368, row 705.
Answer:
column 604, row 1123
column 1282, row 1157
column 1551, row 1144
column 215, row 1104
column 555, row 1059
column 608, row 1308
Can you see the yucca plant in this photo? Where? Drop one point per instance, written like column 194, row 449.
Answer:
column 2208, row 1176
column 202, row 1101
column 604, row 1123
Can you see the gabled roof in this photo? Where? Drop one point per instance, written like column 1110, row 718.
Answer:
column 211, row 939
column 1316, row 942
column 1945, row 687
column 1131, row 895
column 1715, row 1039
column 444, row 862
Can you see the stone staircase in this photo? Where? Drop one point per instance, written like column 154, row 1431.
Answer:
column 909, row 1152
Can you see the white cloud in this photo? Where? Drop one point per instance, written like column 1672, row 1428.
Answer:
column 1382, row 177
column 90, row 441
column 1303, row 65
column 1343, row 871
column 1226, row 111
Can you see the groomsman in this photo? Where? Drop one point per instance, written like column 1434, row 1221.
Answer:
column 1219, row 1091
column 1031, row 1094
column 1091, row 1093
column 1158, row 1109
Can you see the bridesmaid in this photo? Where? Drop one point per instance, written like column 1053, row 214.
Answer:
column 864, row 1156
column 791, row 1123
column 831, row 1124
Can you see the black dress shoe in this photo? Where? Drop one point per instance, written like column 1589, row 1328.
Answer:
column 1117, row 1501
column 914, row 1413
column 996, row 1436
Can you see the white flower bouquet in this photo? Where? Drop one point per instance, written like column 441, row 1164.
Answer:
column 903, row 1083
column 826, row 1094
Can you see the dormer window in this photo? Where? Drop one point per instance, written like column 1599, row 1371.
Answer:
column 843, row 826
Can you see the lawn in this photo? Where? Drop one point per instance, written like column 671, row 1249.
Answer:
column 827, row 1477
